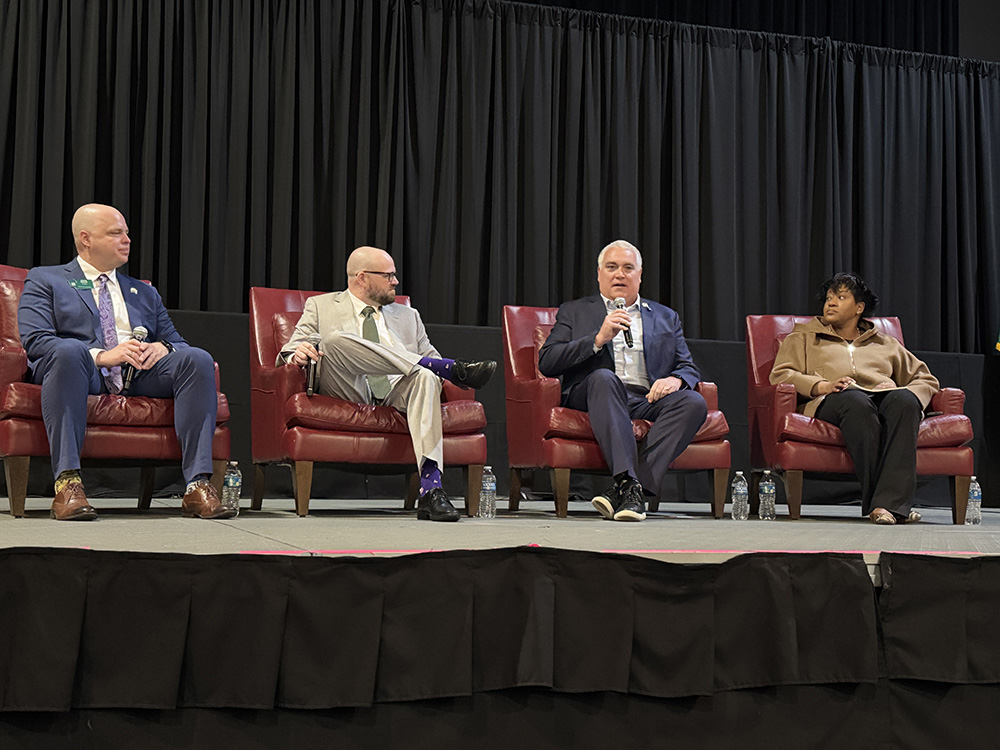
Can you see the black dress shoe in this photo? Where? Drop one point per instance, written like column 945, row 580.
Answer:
column 466, row 374
column 435, row 506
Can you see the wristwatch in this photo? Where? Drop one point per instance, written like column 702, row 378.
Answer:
column 170, row 347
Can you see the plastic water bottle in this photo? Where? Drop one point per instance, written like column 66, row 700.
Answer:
column 232, row 484
column 766, row 492
column 974, row 510
column 741, row 498
column 488, row 495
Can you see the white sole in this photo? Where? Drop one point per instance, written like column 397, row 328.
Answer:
column 603, row 506
column 629, row 515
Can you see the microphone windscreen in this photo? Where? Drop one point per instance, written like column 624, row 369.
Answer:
column 620, row 303
column 314, row 339
column 139, row 333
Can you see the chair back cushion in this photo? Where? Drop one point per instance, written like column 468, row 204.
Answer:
column 10, row 296
column 521, row 326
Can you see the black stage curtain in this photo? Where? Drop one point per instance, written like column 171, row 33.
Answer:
column 530, row 646
column 494, row 147
column 918, row 25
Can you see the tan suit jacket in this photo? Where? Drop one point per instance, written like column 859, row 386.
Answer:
column 334, row 311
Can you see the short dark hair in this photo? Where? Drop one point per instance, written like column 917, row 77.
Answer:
column 855, row 285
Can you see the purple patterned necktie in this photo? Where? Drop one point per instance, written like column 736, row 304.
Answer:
column 113, row 378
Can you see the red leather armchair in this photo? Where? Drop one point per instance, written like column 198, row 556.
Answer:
column 290, row 427
column 120, row 431
column 541, row 434
column 791, row 443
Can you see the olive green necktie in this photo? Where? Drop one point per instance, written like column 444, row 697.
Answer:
column 378, row 383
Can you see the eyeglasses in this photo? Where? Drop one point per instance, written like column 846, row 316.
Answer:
column 389, row 275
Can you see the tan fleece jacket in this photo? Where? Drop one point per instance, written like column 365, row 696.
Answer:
column 813, row 352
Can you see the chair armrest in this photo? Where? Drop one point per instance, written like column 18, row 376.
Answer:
column 771, row 403
column 284, row 382
column 451, row 392
column 544, row 393
column 13, row 364
column 948, row 401
column 710, row 392
column 780, row 398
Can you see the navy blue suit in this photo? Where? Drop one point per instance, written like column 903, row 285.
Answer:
column 589, row 383
column 59, row 325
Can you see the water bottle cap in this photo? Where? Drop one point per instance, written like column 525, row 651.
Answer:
column 233, row 463
column 973, row 479
column 739, row 473
column 767, row 471
column 487, row 468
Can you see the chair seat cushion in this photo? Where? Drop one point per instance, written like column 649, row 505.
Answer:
column 942, row 431
column 573, row 424
column 24, row 401
column 328, row 413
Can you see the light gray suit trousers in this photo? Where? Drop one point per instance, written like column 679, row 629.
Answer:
column 348, row 359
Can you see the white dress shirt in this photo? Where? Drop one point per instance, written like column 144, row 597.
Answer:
column 630, row 364
column 122, row 326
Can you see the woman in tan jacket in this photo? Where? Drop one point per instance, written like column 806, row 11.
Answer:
column 866, row 383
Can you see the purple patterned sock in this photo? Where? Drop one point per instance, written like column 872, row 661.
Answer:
column 440, row 367
column 430, row 476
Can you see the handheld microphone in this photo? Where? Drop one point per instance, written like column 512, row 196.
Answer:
column 312, row 366
column 139, row 333
column 620, row 305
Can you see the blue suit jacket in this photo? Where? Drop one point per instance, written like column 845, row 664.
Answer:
column 568, row 352
column 52, row 308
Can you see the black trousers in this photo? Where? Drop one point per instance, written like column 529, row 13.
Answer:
column 880, row 432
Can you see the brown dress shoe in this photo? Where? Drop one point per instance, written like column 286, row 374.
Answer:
column 203, row 502
column 71, row 504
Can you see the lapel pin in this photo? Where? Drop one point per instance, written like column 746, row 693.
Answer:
column 132, row 289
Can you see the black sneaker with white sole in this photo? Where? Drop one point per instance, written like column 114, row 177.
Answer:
column 631, row 503
column 605, row 503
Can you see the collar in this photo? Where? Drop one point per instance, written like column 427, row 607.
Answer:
column 92, row 273
column 360, row 305
column 634, row 307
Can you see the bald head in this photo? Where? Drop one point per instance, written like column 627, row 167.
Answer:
column 101, row 236
column 371, row 276
column 366, row 258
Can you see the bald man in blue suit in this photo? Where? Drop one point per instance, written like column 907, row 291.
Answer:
column 76, row 322
column 615, row 381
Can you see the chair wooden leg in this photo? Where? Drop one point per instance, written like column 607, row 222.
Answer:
column 721, row 479
column 15, row 470
column 302, row 478
column 258, row 486
column 959, row 487
column 514, row 498
column 560, row 488
column 473, row 488
column 793, row 493
column 147, row 475
column 412, row 490
column 218, row 474
column 753, row 487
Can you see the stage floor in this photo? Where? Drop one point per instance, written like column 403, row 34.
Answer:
column 678, row 532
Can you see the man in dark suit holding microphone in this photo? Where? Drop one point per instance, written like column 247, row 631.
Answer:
column 79, row 324
column 620, row 358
